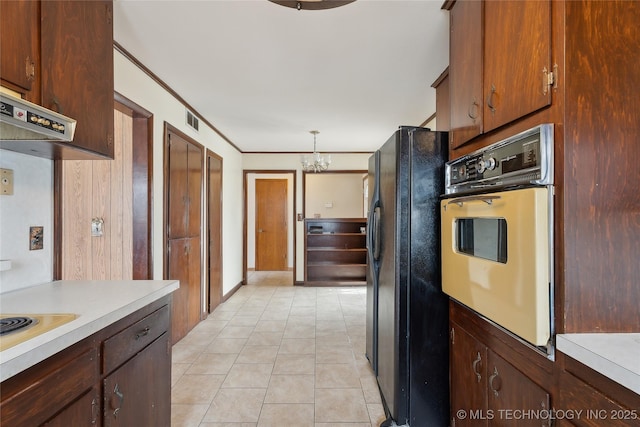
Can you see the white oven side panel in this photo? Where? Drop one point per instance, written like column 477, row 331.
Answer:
column 514, row 294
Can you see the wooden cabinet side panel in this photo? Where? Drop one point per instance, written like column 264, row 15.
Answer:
column 517, row 49
column 601, row 229
column 77, row 68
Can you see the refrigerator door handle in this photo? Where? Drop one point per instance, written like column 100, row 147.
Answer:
column 376, row 233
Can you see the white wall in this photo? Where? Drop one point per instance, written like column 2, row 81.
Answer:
column 30, row 205
column 135, row 85
column 334, row 195
column 266, row 162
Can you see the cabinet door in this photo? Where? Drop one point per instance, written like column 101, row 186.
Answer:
column 83, row 412
column 177, row 184
column 465, row 71
column 178, row 269
column 184, row 187
column 194, row 189
column 517, row 48
column 77, row 68
column 510, row 390
column 468, row 379
column 18, row 42
column 138, row 393
column 194, row 261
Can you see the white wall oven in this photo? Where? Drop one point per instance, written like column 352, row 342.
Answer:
column 497, row 234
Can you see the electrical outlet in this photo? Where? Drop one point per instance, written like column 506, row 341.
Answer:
column 6, row 182
column 36, row 235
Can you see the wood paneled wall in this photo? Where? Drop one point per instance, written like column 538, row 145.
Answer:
column 99, row 189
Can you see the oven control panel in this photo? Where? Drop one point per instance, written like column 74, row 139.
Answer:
column 522, row 160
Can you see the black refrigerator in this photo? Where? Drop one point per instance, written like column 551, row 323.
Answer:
column 407, row 313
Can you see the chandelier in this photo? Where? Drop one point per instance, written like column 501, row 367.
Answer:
column 316, row 163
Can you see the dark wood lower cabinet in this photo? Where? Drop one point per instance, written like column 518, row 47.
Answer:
column 133, row 394
column 498, row 381
column 119, row 376
column 83, row 412
column 487, row 390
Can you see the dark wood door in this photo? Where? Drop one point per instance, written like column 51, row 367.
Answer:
column 194, row 294
column 214, row 215
column 139, row 392
column 517, row 48
column 77, row 68
column 468, row 379
column 510, row 389
column 183, row 204
column 465, row 71
column 177, row 185
column 178, row 269
column 271, row 224
column 19, row 43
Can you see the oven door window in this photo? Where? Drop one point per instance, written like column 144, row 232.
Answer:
column 484, row 238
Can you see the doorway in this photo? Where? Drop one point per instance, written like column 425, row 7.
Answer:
column 269, row 227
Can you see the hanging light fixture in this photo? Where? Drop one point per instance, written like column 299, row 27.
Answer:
column 312, row 4
column 316, row 163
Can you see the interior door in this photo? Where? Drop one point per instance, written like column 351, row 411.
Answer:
column 271, row 225
column 214, row 214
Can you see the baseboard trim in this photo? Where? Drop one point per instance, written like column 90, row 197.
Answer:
column 229, row 294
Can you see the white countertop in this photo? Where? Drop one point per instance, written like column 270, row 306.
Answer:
column 616, row 356
column 96, row 304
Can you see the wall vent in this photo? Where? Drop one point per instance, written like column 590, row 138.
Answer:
column 192, row 120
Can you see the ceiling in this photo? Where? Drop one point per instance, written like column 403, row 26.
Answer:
column 265, row 75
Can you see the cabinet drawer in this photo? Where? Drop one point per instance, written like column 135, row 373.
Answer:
column 46, row 394
column 126, row 343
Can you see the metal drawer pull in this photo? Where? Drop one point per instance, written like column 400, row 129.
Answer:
column 460, row 200
column 475, row 367
column 142, row 333
column 495, row 382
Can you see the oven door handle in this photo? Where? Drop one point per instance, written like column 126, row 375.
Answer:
column 461, row 200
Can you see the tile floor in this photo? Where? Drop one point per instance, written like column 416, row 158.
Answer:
column 277, row 355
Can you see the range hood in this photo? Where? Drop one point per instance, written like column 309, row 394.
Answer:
column 21, row 120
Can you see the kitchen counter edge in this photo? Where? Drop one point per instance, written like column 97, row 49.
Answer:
column 97, row 304
column 614, row 355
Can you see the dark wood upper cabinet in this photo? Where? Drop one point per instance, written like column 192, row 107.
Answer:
column 19, row 53
column 500, row 64
column 59, row 54
column 517, row 60
column 465, row 72
column 77, row 68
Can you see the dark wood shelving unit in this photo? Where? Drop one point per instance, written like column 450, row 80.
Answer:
column 335, row 251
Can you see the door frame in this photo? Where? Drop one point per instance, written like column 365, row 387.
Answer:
column 209, row 156
column 246, row 173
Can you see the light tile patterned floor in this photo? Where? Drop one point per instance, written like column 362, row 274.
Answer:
column 277, row 355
